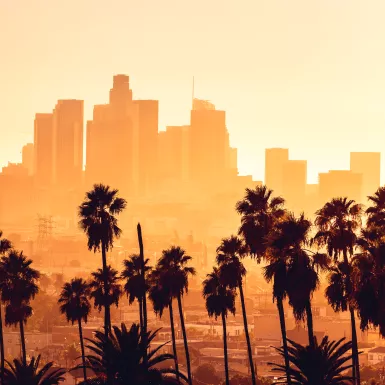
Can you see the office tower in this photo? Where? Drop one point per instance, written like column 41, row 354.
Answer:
column 340, row 183
column 27, row 154
column 233, row 160
column 275, row 159
column 112, row 140
column 369, row 165
column 173, row 156
column 146, row 164
column 208, row 146
column 294, row 180
column 68, row 144
column 43, row 149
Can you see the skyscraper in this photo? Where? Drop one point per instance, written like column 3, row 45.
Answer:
column 27, row 155
column 43, row 149
column 294, row 180
column 369, row 165
column 68, row 144
column 275, row 159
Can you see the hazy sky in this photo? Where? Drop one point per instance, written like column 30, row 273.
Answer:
column 303, row 74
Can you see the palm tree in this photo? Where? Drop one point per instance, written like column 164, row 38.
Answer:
column 98, row 220
column 259, row 212
column 337, row 222
column 17, row 289
column 75, row 305
column 5, row 246
column 161, row 298
column 317, row 364
column 126, row 363
column 22, row 373
column 173, row 265
column 105, row 289
column 134, row 287
column 220, row 300
column 229, row 255
column 376, row 212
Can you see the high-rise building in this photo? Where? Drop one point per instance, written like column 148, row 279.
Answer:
column 208, row 145
column 43, row 149
column 294, row 180
column 275, row 159
column 147, row 145
column 27, row 155
column 340, row 183
column 369, row 165
column 68, row 144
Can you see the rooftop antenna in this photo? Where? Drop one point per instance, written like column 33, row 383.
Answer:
column 193, row 85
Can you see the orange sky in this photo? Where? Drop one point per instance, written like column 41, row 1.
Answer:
column 303, row 74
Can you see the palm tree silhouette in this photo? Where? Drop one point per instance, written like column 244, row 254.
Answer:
column 321, row 364
column 337, row 223
column 98, row 220
column 220, row 300
column 75, row 305
column 20, row 372
column 17, row 289
column 173, row 265
column 122, row 356
column 259, row 212
column 105, row 289
column 229, row 255
column 376, row 212
column 161, row 297
column 5, row 246
column 134, row 286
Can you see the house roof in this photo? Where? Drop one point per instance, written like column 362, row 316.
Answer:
column 378, row 349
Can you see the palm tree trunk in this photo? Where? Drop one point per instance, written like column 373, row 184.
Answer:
column 1, row 348
column 184, row 340
column 173, row 340
column 225, row 348
column 82, row 348
column 141, row 314
column 249, row 351
column 144, row 303
column 309, row 316
column 107, row 315
column 356, row 362
column 284, row 339
column 22, row 341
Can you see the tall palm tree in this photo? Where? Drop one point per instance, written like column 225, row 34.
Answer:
column 22, row 373
column 75, row 305
column 220, row 300
column 98, row 219
column 173, row 265
column 161, row 298
column 134, row 286
column 259, row 212
column 376, row 212
column 18, row 288
column 229, row 255
column 126, row 350
column 337, row 223
column 105, row 289
column 5, row 246
column 318, row 364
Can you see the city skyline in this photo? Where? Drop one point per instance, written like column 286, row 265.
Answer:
column 274, row 81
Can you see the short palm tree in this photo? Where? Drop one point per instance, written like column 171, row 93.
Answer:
column 338, row 222
column 161, row 298
column 259, row 212
column 105, row 289
column 134, row 286
column 173, row 265
column 18, row 288
column 229, row 255
column 376, row 212
column 317, row 364
column 121, row 356
column 22, row 373
column 5, row 246
column 98, row 219
column 75, row 305
column 220, row 300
